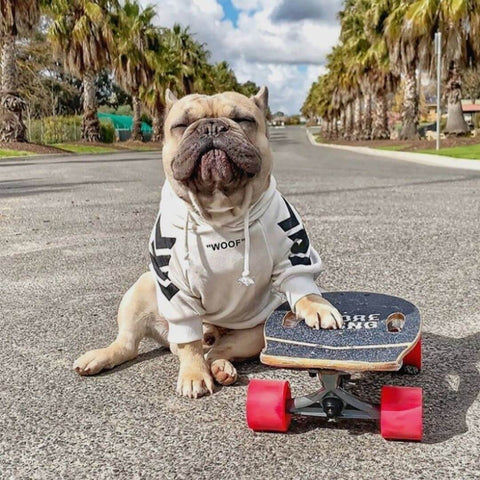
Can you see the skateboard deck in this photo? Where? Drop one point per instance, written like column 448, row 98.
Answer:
column 378, row 332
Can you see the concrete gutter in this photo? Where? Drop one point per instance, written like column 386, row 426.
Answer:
column 34, row 156
column 423, row 158
column 56, row 156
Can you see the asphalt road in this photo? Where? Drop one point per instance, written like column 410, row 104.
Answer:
column 74, row 235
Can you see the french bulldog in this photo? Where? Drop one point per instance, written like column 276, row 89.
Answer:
column 226, row 248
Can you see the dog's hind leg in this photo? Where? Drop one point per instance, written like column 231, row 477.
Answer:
column 137, row 317
column 234, row 345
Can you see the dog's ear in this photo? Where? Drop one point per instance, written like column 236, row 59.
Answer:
column 261, row 100
column 170, row 99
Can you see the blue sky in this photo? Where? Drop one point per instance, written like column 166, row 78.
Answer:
column 230, row 12
column 278, row 43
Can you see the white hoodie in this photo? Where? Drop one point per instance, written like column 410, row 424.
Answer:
column 232, row 276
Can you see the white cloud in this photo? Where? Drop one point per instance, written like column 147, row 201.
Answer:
column 259, row 49
column 247, row 4
column 287, row 85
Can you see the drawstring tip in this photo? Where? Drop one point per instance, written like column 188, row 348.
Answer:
column 246, row 280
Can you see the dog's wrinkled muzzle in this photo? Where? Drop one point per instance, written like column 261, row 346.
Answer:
column 214, row 152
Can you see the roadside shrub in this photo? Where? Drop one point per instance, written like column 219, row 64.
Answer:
column 106, row 109
column 107, row 131
column 476, row 121
column 124, row 110
column 146, row 119
column 443, row 123
column 55, row 129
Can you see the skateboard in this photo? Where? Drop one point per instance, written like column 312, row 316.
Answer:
column 380, row 333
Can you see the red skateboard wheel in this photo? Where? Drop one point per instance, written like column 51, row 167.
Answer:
column 401, row 413
column 414, row 356
column 267, row 405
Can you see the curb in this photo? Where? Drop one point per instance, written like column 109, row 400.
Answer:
column 55, row 156
column 422, row 158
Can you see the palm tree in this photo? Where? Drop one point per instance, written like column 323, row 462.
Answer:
column 15, row 16
column 82, row 37
column 135, row 36
column 191, row 56
column 345, row 88
column 403, row 48
column 166, row 74
column 221, row 78
column 356, row 46
column 248, row 88
column 459, row 22
column 378, row 75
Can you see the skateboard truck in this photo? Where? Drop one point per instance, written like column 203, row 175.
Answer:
column 270, row 406
column 332, row 401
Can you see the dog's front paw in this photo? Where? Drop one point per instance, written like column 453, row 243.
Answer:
column 194, row 380
column 318, row 312
column 223, row 372
column 93, row 362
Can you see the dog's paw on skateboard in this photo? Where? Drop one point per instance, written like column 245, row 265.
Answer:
column 223, row 372
column 318, row 312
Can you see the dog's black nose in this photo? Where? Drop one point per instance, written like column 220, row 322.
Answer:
column 213, row 127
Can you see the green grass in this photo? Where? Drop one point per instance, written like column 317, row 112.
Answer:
column 13, row 153
column 74, row 148
column 392, row 147
column 470, row 152
column 140, row 149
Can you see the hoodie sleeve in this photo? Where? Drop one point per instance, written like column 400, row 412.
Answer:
column 296, row 263
column 176, row 302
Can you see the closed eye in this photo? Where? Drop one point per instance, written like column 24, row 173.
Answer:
column 244, row 120
column 179, row 125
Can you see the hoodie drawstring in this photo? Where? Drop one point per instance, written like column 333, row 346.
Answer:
column 246, row 279
column 186, row 257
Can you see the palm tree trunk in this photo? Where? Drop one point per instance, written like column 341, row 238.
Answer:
column 456, row 124
column 410, row 105
column 187, row 85
column 9, row 71
column 357, row 118
column 380, row 130
column 157, row 125
column 90, row 122
column 335, row 126
column 347, row 134
column 137, row 120
column 343, row 119
column 12, row 128
column 367, row 117
column 327, row 128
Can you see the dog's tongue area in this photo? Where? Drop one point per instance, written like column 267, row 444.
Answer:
column 215, row 166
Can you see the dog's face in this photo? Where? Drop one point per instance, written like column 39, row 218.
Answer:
column 216, row 150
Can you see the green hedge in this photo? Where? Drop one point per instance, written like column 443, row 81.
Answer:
column 55, row 129
column 107, row 131
column 52, row 130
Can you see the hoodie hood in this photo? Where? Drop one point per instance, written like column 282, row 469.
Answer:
column 181, row 214
column 177, row 210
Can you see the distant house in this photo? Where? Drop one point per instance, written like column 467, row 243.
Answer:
column 431, row 112
column 278, row 120
column 471, row 110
